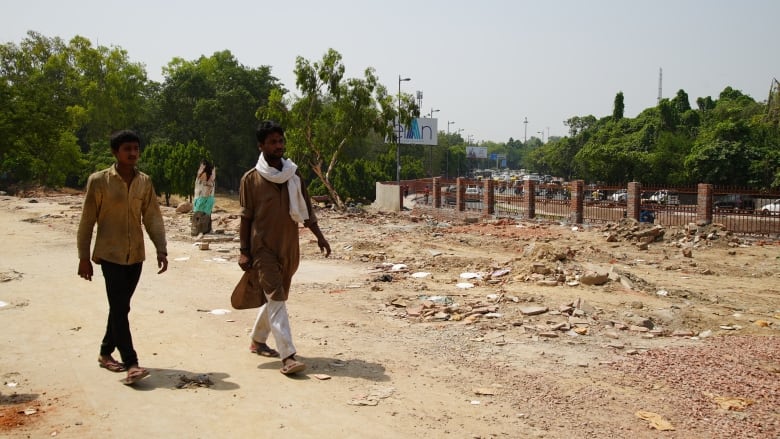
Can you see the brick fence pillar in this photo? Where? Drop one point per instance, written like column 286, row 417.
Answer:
column 488, row 197
column 529, row 198
column 436, row 192
column 634, row 200
column 577, row 201
column 460, row 194
column 400, row 197
column 704, row 203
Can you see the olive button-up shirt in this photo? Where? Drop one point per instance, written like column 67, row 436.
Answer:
column 119, row 211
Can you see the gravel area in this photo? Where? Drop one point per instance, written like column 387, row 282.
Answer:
column 692, row 379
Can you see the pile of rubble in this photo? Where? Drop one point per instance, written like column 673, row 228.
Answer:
column 642, row 234
column 691, row 235
column 576, row 318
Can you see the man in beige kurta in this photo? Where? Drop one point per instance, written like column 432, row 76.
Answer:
column 273, row 201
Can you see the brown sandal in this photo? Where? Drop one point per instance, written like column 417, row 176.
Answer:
column 263, row 350
column 111, row 365
column 135, row 374
column 292, row 367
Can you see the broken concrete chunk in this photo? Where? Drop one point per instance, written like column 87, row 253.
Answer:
column 533, row 310
column 593, row 278
column 636, row 328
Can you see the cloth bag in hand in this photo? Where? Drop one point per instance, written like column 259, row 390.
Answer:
column 247, row 293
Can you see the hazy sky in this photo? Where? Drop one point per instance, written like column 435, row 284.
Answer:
column 485, row 65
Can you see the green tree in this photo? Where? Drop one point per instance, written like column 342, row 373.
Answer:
column 154, row 160
column 182, row 165
column 57, row 100
column 664, row 163
column 670, row 119
column 705, row 103
column 680, row 102
column 724, row 162
column 352, row 179
column 110, row 91
column 38, row 144
column 730, row 146
column 765, row 171
column 773, row 103
column 98, row 157
column 212, row 101
column 173, row 167
column 579, row 124
column 330, row 114
column 556, row 157
column 619, row 107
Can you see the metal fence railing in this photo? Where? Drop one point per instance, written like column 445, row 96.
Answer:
column 738, row 209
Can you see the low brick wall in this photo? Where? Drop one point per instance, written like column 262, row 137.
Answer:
column 578, row 206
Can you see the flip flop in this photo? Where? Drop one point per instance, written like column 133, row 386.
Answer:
column 111, row 365
column 292, row 368
column 263, row 350
column 135, row 376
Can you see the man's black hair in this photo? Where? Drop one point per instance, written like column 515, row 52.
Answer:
column 267, row 127
column 123, row 136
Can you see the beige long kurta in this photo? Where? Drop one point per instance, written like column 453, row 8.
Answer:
column 274, row 235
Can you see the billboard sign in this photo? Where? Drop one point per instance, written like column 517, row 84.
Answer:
column 476, row 152
column 420, row 131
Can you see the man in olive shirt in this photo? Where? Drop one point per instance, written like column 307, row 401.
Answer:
column 119, row 199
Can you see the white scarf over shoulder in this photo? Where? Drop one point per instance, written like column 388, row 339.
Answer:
column 298, row 211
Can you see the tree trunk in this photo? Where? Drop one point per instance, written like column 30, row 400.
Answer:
column 331, row 191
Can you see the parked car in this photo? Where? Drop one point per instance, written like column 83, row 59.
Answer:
column 735, row 202
column 621, row 196
column 664, row 196
column 450, row 194
column 472, row 192
column 773, row 207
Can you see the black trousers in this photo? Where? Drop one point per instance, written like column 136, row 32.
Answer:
column 121, row 281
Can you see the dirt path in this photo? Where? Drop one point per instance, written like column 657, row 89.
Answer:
column 474, row 365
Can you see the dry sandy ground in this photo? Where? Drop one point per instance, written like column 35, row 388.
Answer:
column 672, row 340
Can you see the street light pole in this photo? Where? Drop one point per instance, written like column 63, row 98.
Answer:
column 448, row 157
column 430, row 150
column 398, row 144
column 449, row 122
column 525, row 131
column 470, row 138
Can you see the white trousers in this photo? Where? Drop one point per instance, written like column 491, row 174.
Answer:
column 272, row 318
